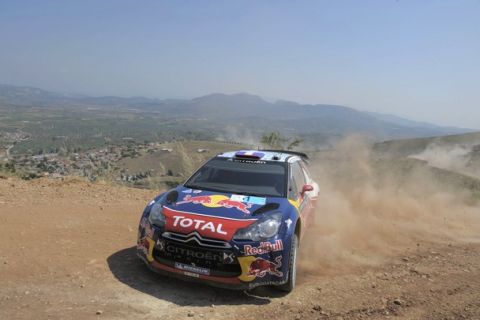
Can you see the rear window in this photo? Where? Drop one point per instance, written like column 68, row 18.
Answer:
column 242, row 176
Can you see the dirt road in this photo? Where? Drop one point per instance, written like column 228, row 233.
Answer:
column 67, row 252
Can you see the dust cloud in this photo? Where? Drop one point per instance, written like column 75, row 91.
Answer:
column 238, row 135
column 460, row 158
column 371, row 209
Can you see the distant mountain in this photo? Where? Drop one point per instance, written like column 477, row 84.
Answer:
column 14, row 95
column 414, row 124
column 245, row 113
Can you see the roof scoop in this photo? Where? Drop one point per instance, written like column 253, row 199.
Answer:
column 265, row 208
column 293, row 153
column 249, row 155
column 172, row 197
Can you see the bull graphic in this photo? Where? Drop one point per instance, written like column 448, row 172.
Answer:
column 227, row 203
column 217, row 201
column 196, row 200
column 260, row 267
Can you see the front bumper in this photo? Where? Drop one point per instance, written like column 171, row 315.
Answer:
column 237, row 265
column 220, row 282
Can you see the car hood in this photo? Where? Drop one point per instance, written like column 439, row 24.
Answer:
column 226, row 205
column 215, row 214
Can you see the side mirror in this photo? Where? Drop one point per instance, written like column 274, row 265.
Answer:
column 307, row 188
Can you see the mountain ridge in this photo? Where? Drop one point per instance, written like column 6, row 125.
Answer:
column 244, row 111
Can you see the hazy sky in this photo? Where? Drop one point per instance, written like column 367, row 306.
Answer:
column 419, row 59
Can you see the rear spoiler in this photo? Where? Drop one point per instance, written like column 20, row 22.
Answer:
column 294, row 153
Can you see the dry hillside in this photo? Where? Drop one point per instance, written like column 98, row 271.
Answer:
column 67, row 252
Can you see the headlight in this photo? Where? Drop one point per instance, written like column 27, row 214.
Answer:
column 156, row 216
column 262, row 229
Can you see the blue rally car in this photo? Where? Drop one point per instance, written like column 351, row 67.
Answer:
column 236, row 222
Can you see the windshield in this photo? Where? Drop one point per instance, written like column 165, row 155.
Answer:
column 249, row 177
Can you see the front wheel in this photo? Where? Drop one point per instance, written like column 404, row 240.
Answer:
column 292, row 267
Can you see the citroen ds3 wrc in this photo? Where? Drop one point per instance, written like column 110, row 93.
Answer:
column 236, row 222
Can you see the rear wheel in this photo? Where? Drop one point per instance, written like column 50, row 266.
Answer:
column 292, row 267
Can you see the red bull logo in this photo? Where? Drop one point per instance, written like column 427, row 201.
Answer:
column 196, row 200
column 143, row 245
column 264, row 247
column 146, row 246
column 260, row 267
column 149, row 231
column 228, row 203
column 217, row 201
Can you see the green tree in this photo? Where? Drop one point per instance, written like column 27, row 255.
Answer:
column 293, row 143
column 274, row 140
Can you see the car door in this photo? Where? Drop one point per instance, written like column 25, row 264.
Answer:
column 308, row 177
column 301, row 200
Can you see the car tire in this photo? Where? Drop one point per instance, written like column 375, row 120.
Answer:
column 292, row 267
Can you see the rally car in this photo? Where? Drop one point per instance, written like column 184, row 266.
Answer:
column 236, row 222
